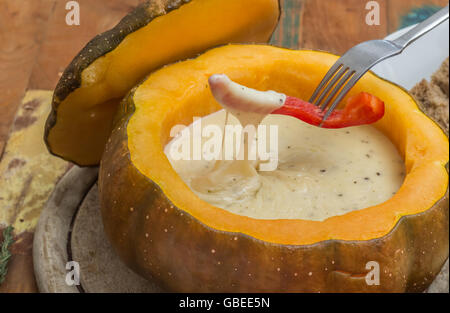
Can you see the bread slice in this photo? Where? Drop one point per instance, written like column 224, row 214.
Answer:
column 440, row 78
column 433, row 96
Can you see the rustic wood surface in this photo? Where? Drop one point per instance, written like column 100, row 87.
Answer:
column 36, row 45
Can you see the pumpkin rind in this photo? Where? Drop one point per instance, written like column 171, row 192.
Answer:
column 160, row 240
column 82, row 141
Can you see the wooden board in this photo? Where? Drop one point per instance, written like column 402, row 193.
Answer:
column 50, row 247
column 37, row 45
column 70, row 229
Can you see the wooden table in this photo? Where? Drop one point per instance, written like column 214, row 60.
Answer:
column 36, row 44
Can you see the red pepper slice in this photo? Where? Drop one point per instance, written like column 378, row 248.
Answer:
column 360, row 109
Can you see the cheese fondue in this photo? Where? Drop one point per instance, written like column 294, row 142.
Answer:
column 321, row 172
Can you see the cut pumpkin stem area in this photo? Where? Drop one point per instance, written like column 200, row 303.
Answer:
column 360, row 109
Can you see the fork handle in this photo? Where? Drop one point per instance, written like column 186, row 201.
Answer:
column 422, row 28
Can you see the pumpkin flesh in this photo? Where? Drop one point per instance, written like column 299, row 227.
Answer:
column 175, row 30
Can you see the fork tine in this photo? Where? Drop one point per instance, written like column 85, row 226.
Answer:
column 330, row 85
column 336, row 89
column 336, row 66
column 342, row 94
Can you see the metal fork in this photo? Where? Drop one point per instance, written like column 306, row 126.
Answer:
column 349, row 68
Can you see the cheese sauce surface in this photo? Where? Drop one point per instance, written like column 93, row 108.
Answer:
column 321, row 172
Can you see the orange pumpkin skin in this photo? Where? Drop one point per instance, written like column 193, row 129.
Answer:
column 166, row 243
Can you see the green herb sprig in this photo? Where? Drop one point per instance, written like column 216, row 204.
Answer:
column 5, row 254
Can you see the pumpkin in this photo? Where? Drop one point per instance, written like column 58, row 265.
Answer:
column 163, row 231
column 156, row 33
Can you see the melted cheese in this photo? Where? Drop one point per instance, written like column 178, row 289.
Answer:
column 321, row 172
